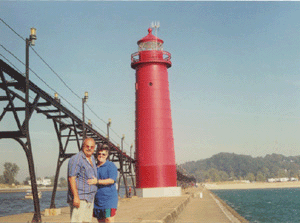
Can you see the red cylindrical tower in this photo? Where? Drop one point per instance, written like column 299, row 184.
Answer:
column 155, row 156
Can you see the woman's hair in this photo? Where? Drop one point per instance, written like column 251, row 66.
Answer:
column 101, row 147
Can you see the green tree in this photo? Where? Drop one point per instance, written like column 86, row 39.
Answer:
column 52, row 180
column 282, row 173
column 232, row 176
column 224, row 176
column 294, row 173
column 214, row 175
column 200, row 175
column 10, row 172
column 62, row 182
column 260, row 176
column 25, row 182
column 2, row 180
column 250, row 177
column 206, row 176
column 239, row 166
column 266, row 172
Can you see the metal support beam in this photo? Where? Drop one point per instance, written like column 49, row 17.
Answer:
column 122, row 175
column 11, row 134
column 27, row 149
column 48, row 111
column 10, row 98
column 65, row 131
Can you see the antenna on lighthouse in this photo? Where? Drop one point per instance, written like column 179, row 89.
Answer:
column 156, row 26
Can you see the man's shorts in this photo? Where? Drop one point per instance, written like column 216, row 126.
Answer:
column 82, row 214
column 104, row 213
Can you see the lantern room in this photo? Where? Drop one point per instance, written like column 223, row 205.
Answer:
column 150, row 42
column 150, row 49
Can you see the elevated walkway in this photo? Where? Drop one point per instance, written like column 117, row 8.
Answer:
column 187, row 208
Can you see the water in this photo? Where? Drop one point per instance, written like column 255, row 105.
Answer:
column 14, row 203
column 256, row 205
column 264, row 205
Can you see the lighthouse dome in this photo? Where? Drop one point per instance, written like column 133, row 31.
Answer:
column 150, row 42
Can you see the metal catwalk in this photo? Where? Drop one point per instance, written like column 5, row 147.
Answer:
column 68, row 128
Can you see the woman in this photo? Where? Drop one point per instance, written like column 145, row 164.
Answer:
column 106, row 198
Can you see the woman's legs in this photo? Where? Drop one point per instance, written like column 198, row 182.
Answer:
column 106, row 215
column 110, row 219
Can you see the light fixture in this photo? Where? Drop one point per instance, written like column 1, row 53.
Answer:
column 32, row 36
column 86, row 96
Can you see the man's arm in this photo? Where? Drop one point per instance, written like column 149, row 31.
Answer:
column 106, row 181
column 73, row 187
column 102, row 182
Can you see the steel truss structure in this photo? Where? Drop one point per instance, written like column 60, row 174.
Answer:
column 68, row 128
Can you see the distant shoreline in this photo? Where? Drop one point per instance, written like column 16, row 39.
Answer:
column 26, row 188
column 256, row 185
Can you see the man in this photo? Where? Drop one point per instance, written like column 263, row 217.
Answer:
column 82, row 167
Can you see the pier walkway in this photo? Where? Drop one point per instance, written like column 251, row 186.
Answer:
column 204, row 206
column 189, row 207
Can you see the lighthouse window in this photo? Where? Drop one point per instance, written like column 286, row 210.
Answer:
column 153, row 45
column 150, row 84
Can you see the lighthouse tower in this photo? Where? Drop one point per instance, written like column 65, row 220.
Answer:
column 155, row 157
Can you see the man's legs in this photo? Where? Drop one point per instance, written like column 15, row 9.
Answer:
column 83, row 213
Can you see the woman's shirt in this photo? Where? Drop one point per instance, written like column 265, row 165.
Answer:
column 107, row 195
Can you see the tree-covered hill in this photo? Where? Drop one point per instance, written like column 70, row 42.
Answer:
column 230, row 166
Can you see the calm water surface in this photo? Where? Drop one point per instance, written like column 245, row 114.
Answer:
column 256, row 205
column 264, row 205
column 14, row 203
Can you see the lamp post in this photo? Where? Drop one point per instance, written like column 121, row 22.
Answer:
column 30, row 41
column 122, row 140
column 131, row 149
column 56, row 97
column 84, row 100
column 59, row 162
column 37, row 213
column 58, row 100
column 108, row 125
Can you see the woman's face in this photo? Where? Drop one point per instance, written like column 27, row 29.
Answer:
column 102, row 156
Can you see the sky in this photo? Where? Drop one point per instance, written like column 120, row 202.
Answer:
column 234, row 84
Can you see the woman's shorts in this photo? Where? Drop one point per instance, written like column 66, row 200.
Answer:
column 104, row 213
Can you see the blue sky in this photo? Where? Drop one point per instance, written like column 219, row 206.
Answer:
column 234, row 82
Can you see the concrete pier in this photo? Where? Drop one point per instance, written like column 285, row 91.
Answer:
column 195, row 205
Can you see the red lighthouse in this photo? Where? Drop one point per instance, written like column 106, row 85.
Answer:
column 155, row 156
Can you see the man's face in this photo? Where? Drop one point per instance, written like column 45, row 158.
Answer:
column 89, row 147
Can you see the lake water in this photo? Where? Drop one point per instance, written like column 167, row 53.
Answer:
column 14, row 203
column 256, row 205
column 264, row 205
